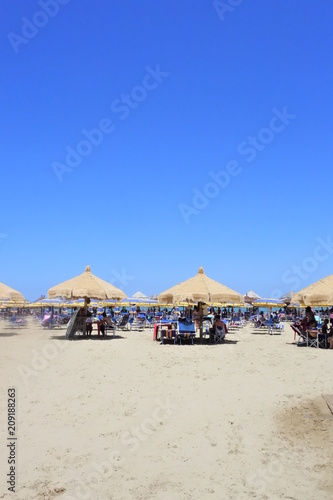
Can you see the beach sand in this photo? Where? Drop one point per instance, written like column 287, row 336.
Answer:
column 127, row 418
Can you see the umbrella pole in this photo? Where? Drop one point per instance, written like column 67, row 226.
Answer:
column 201, row 321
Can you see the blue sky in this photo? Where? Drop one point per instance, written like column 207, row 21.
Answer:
column 147, row 139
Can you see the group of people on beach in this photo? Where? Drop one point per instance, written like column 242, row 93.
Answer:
column 310, row 324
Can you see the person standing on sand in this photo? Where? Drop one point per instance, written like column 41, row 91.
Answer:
column 196, row 316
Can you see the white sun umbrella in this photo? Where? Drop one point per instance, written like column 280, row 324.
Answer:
column 250, row 296
column 140, row 299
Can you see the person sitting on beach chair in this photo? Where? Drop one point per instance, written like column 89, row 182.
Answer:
column 196, row 316
column 329, row 336
column 309, row 321
column 105, row 324
column 219, row 330
column 102, row 323
column 325, row 327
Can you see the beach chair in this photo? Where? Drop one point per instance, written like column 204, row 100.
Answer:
column 48, row 321
column 17, row 322
column 168, row 331
column 274, row 326
column 314, row 338
column 139, row 323
column 122, row 322
column 109, row 326
column 219, row 334
column 186, row 330
column 207, row 326
column 300, row 333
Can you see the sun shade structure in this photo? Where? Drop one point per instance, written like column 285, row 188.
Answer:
column 139, row 295
column 319, row 293
column 250, row 296
column 139, row 298
column 86, row 285
column 287, row 297
column 10, row 296
column 268, row 303
column 200, row 288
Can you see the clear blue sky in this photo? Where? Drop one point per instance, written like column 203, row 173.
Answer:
column 182, row 92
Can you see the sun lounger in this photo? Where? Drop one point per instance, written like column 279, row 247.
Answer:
column 109, row 325
column 18, row 322
column 300, row 333
column 186, row 330
column 139, row 323
column 274, row 327
column 122, row 322
column 168, row 331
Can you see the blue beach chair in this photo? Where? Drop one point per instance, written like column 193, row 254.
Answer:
column 186, row 330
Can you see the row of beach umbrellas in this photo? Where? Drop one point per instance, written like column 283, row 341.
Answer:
column 198, row 289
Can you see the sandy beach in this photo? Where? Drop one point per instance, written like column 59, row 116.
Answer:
column 127, row 418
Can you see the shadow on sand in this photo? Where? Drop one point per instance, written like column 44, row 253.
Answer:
column 198, row 342
column 8, row 334
column 87, row 337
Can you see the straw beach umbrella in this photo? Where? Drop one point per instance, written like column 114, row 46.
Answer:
column 86, row 285
column 200, row 288
column 10, row 296
column 319, row 293
column 287, row 297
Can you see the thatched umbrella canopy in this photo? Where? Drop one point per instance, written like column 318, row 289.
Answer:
column 319, row 293
column 86, row 285
column 200, row 288
column 11, row 296
column 287, row 297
